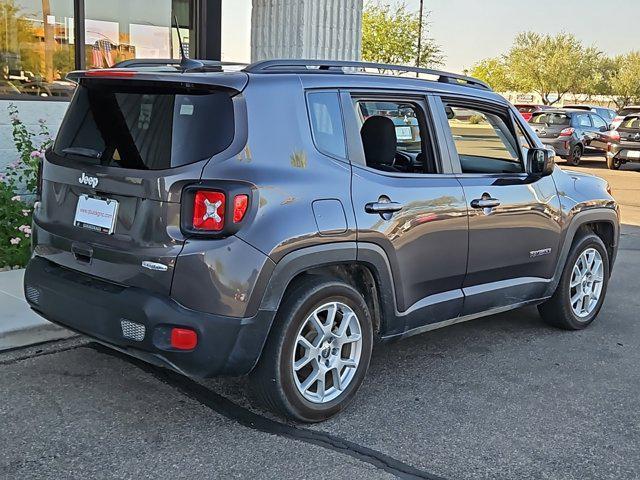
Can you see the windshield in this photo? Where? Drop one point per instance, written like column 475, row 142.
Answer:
column 147, row 128
column 550, row 118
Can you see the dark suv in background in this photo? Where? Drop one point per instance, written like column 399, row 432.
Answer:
column 275, row 221
column 571, row 132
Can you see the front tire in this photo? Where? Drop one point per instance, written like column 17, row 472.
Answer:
column 318, row 352
column 582, row 288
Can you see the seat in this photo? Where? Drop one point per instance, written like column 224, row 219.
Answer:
column 380, row 142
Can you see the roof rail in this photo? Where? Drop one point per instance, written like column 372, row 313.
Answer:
column 338, row 66
column 194, row 65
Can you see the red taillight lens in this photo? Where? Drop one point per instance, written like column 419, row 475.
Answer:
column 614, row 136
column 240, row 205
column 110, row 73
column 208, row 210
column 183, row 339
column 567, row 132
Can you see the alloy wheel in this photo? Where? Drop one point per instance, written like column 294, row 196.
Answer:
column 327, row 352
column 587, row 279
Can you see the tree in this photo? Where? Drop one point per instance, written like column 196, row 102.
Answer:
column 390, row 35
column 625, row 83
column 551, row 66
column 494, row 72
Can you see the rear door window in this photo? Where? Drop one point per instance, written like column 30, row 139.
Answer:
column 146, row 128
column 583, row 120
column 598, row 122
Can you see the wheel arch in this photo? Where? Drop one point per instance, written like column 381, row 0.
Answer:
column 604, row 222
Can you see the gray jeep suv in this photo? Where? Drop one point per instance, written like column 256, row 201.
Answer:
column 275, row 220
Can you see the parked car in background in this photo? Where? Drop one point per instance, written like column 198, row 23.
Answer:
column 624, row 145
column 571, row 132
column 58, row 88
column 527, row 110
column 622, row 114
column 606, row 113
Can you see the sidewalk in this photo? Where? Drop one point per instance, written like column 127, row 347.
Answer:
column 19, row 325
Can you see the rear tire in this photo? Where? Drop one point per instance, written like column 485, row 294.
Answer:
column 575, row 156
column 582, row 288
column 336, row 350
column 613, row 164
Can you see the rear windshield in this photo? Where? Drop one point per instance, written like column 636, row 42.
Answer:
column 628, row 111
column 550, row 118
column 631, row 123
column 150, row 128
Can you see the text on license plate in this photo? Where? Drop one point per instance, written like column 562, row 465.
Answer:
column 633, row 153
column 96, row 214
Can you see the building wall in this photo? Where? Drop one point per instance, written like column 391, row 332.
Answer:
column 313, row 29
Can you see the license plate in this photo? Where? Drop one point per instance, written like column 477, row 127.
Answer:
column 404, row 133
column 633, row 154
column 97, row 214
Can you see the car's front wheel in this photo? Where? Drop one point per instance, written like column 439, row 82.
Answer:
column 318, row 352
column 582, row 288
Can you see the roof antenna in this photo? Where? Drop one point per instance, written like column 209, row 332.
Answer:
column 185, row 62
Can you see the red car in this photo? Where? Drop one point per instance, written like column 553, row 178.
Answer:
column 527, row 110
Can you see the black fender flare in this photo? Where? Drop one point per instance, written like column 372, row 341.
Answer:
column 594, row 215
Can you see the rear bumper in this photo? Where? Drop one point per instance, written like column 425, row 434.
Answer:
column 226, row 345
column 625, row 153
column 562, row 147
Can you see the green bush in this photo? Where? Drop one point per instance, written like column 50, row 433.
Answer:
column 20, row 176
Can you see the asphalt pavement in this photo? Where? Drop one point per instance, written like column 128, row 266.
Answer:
column 504, row 397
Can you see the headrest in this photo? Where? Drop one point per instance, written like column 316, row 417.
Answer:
column 379, row 140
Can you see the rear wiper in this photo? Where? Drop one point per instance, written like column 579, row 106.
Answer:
column 83, row 152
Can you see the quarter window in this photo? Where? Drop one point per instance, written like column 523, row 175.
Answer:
column 326, row 123
column 484, row 142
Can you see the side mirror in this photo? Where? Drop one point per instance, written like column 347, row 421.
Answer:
column 541, row 161
column 605, row 129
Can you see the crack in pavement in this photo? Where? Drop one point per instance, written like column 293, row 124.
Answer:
column 249, row 419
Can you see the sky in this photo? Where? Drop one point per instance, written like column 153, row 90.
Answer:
column 471, row 30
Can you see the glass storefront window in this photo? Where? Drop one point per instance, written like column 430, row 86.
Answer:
column 36, row 48
column 124, row 29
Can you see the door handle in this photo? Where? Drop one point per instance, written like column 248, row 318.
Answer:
column 383, row 207
column 485, row 202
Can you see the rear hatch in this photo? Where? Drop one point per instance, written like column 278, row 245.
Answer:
column 629, row 131
column 112, row 182
column 549, row 125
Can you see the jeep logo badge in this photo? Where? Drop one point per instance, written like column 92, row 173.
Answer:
column 86, row 180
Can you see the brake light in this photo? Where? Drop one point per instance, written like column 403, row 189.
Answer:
column 614, row 136
column 183, row 339
column 567, row 132
column 240, row 205
column 110, row 72
column 208, row 210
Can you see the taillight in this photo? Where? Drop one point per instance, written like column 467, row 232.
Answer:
column 567, row 132
column 184, row 339
column 209, row 210
column 614, row 136
column 240, row 205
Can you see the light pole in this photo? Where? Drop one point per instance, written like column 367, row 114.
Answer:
column 420, row 36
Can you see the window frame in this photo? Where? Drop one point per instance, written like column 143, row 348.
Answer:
column 206, row 21
column 311, row 91
column 426, row 122
column 483, row 105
